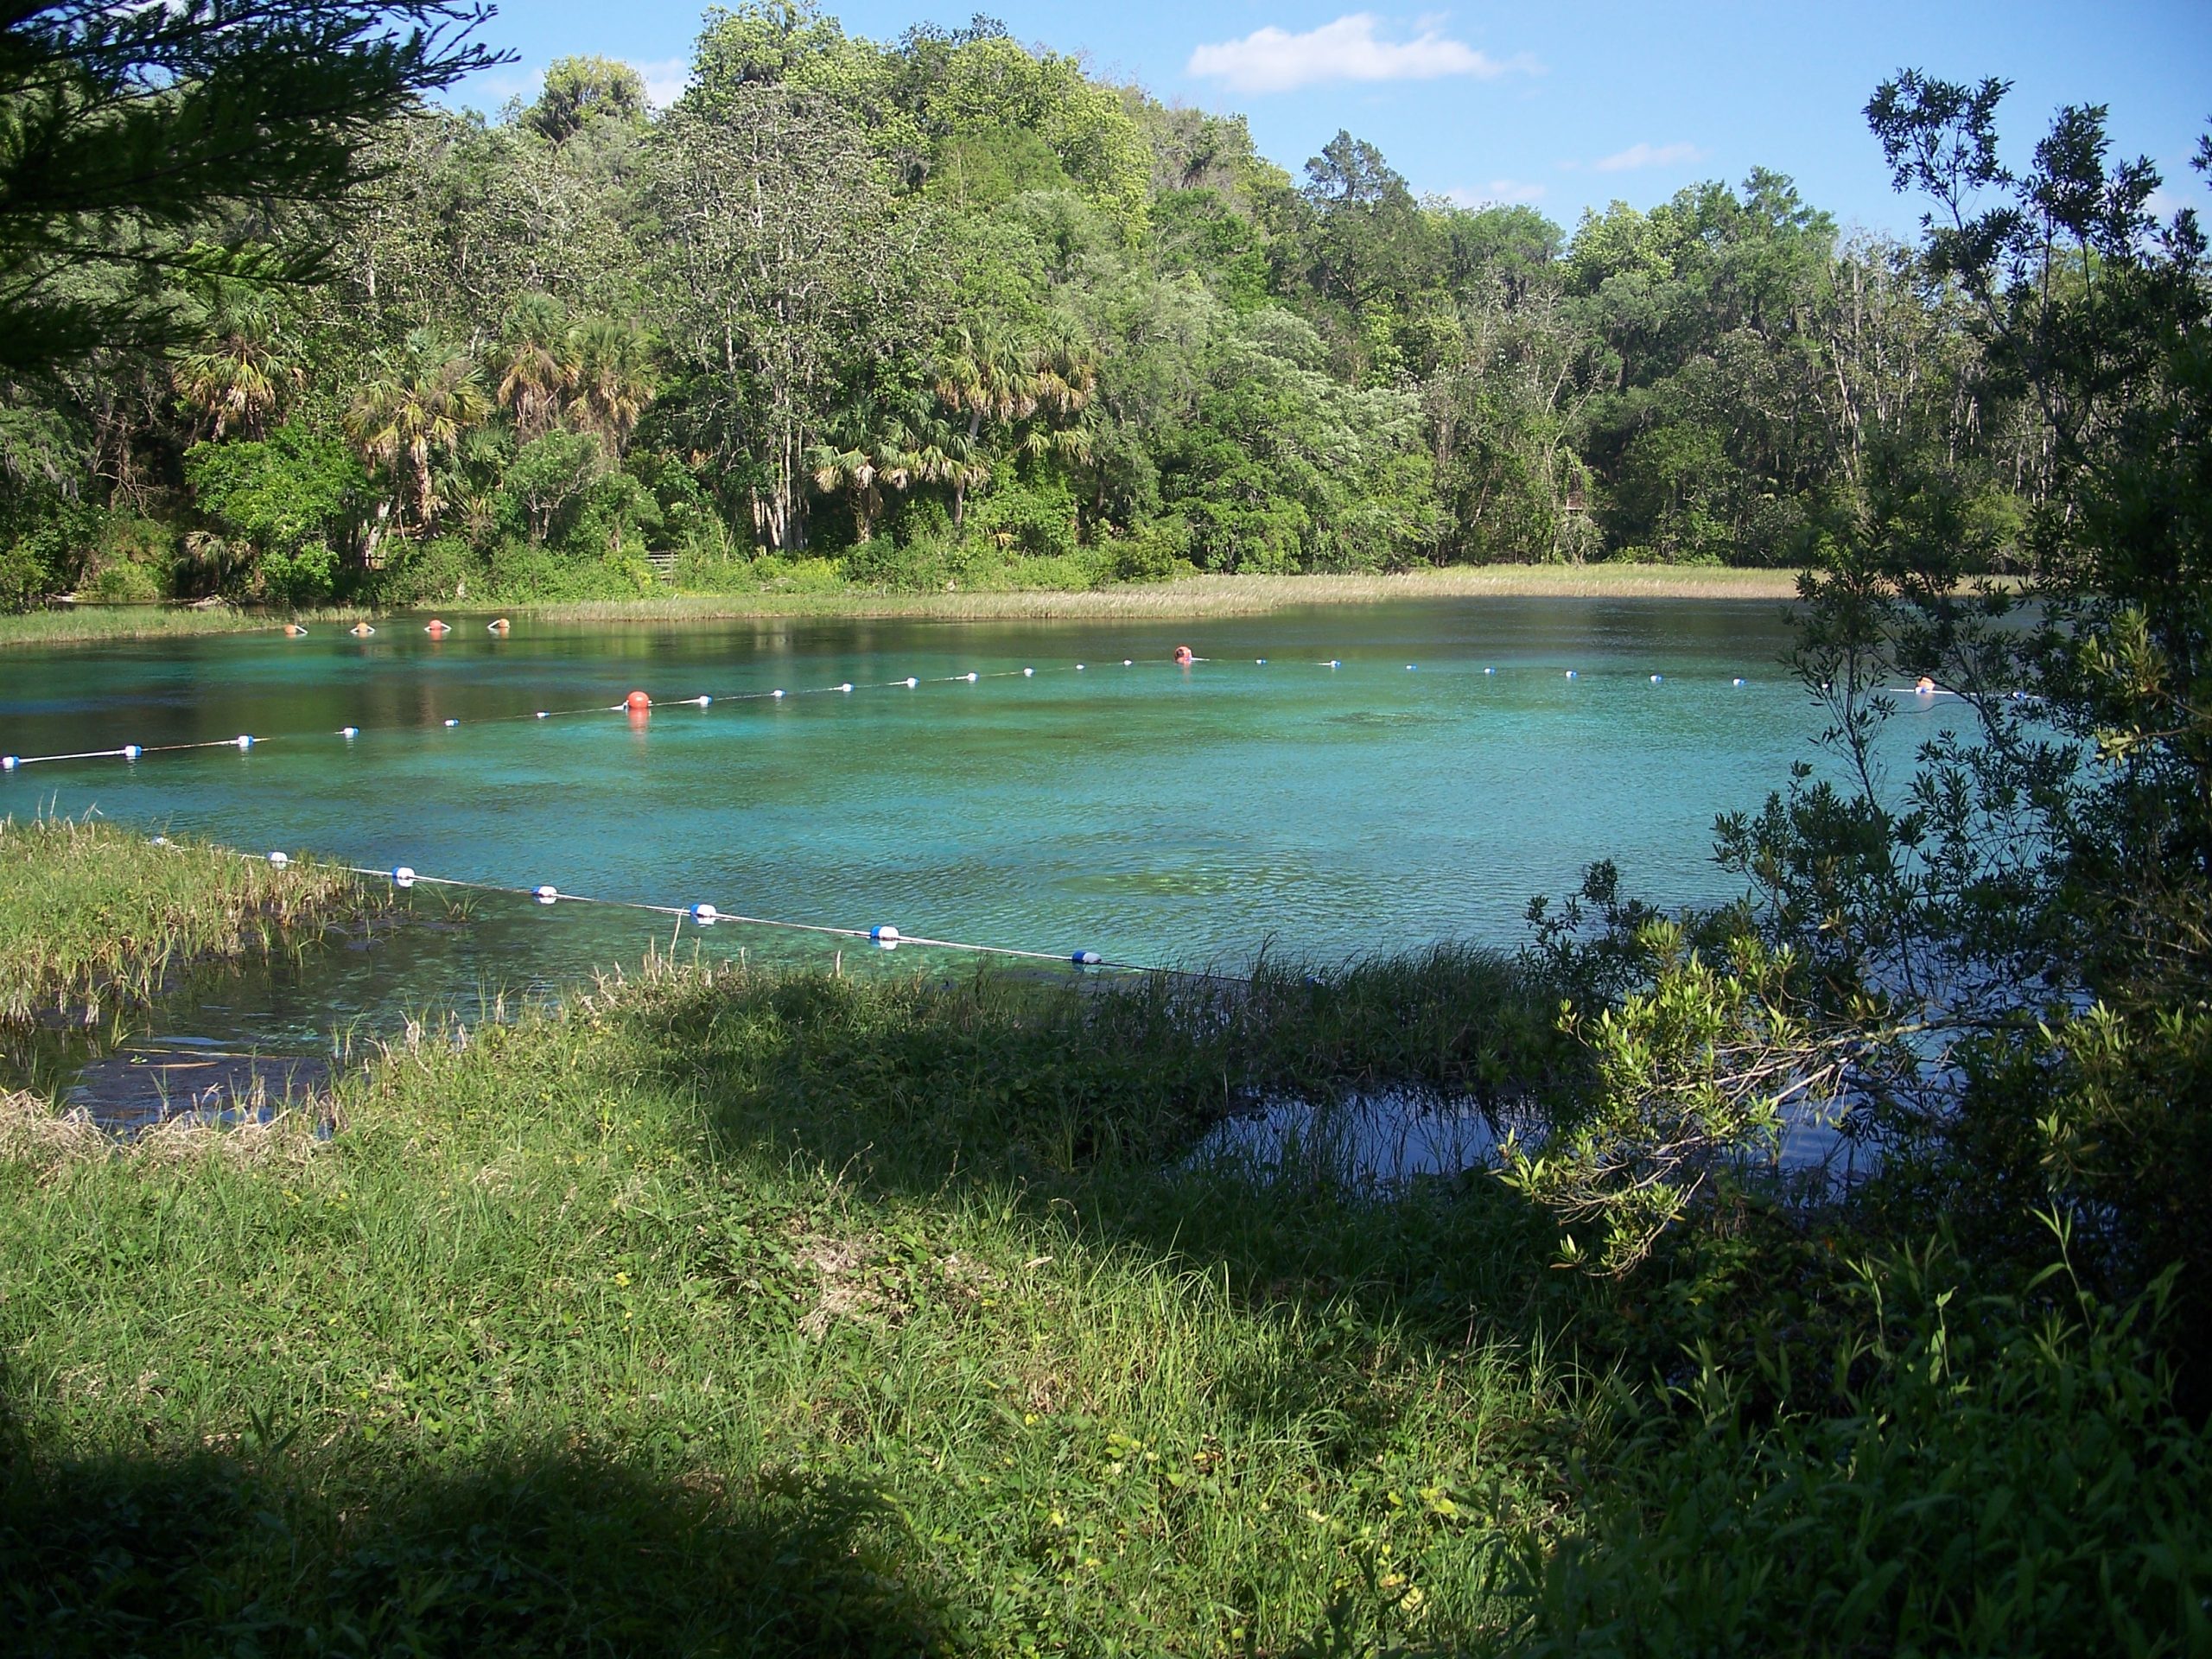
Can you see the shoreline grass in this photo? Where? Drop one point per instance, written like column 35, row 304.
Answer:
column 92, row 913
column 737, row 1311
column 1195, row 596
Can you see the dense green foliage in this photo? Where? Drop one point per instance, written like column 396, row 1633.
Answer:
column 957, row 313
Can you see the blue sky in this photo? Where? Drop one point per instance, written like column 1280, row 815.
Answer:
column 1567, row 105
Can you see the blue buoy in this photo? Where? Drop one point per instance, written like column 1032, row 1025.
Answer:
column 403, row 876
column 545, row 895
column 886, row 935
column 1262, row 661
column 1333, row 663
column 1086, row 958
column 1410, row 669
column 1655, row 678
column 132, row 751
column 705, row 915
column 453, row 722
column 1738, row 681
column 244, row 741
column 1570, row 673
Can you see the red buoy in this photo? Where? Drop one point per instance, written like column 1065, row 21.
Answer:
column 636, row 702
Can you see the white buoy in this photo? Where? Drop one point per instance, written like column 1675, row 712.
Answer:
column 1126, row 662
column 912, row 682
column 452, row 723
column 9, row 762
column 403, row 875
column 1655, row 678
column 244, row 741
column 1333, row 663
column 349, row 733
column 1086, row 958
column 545, row 895
column 1027, row 672
column 847, row 686
column 159, row 840
column 1739, row 680
column 702, row 702
column 132, row 751
column 1489, row 670
column 778, row 693
column 541, row 714
column 1570, row 673
column 1078, row 668
column 1260, row 662
column 887, row 937
column 280, row 860
column 705, row 915
column 1410, row 669
column 971, row 676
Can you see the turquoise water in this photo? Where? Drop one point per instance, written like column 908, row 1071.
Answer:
column 1152, row 813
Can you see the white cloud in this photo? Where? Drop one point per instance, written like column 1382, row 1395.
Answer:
column 1496, row 192
column 1271, row 60
column 665, row 80
column 1638, row 155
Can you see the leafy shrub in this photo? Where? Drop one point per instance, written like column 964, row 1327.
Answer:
column 1996, row 1476
column 422, row 571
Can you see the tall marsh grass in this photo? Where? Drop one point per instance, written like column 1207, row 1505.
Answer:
column 92, row 913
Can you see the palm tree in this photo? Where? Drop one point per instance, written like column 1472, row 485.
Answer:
column 238, row 380
column 1008, row 380
column 613, row 379
column 420, row 401
column 896, row 441
column 535, row 364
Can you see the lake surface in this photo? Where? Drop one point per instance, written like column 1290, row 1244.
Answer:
column 1445, row 771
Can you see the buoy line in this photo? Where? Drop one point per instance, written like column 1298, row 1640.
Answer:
column 884, row 936
column 638, row 703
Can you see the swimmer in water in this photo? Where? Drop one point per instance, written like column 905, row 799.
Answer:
column 361, row 630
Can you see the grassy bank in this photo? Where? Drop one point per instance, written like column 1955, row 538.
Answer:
column 91, row 914
column 1196, row 596
column 727, row 1313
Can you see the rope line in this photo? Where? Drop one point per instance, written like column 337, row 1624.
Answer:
column 132, row 752
column 702, row 916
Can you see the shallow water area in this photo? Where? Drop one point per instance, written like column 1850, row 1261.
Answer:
column 1326, row 782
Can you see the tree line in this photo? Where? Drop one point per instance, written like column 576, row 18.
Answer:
column 952, row 308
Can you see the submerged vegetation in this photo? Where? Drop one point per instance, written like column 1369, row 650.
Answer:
column 92, row 914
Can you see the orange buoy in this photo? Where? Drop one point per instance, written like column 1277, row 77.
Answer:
column 1183, row 656
column 636, row 702
column 293, row 631
column 1923, row 685
column 361, row 630
column 437, row 630
column 499, row 627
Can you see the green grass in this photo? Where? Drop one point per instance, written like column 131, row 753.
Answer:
column 733, row 1312
column 88, row 623
column 736, row 1313
column 91, row 914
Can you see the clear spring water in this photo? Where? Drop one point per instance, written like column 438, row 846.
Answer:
column 1156, row 814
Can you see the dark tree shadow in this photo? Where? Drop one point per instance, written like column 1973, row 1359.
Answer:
column 518, row 1552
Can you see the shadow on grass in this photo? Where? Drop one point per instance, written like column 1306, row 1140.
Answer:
column 1084, row 1104
column 523, row 1552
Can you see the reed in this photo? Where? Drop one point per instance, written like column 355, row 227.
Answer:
column 93, row 914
